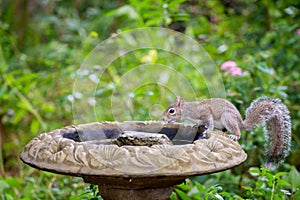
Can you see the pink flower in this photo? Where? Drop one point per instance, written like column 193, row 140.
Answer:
column 228, row 65
column 236, row 71
column 245, row 73
column 298, row 31
column 233, row 69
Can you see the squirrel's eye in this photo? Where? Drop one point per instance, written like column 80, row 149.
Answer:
column 172, row 111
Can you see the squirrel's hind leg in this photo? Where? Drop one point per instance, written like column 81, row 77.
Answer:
column 231, row 124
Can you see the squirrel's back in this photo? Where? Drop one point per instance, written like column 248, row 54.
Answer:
column 219, row 106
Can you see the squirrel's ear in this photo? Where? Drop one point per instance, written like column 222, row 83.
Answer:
column 179, row 101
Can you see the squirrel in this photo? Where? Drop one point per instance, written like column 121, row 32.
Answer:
column 221, row 114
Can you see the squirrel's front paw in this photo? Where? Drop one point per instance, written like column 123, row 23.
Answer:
column 204, row 134
column 234, row 137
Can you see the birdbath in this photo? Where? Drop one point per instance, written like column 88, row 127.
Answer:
column 133, row 159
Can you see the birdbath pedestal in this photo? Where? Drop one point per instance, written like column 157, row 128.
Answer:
column 145, row 163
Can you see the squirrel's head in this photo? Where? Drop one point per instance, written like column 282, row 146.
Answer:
column 173, row 112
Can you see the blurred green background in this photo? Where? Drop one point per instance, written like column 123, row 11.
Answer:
column 43, row 43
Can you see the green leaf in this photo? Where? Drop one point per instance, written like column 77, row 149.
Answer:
column 185, row 187
column 18, row 115
column 259, row 183
column 218, row 196
column 74, row 197
column 265, row 171
column 3, row 65
column 3, row 90
column 247, row 188
column 8, row 197
column 277, row 175
column 196, row 196
column 297, row 195
column 264, row 68
column 3, row 186
column 127, row 10
column 176, row 2
column 286, row 192
column 249, row 193
column 254, row 171
column 14, row 182
column 153, row 22
column 24, row 102
column 270, row 179
column 173, row 196
column 199, row 187
column 34, row 126
column 294, row 178
column 283, row 182
column 226, row 194
column 182, row 195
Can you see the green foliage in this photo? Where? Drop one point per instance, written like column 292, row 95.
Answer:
column 46, row 186
column 272, row 185
column 261, row 184
column 192, row 189
column 43, row 43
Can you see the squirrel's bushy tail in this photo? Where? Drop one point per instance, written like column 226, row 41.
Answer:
column 277, row 127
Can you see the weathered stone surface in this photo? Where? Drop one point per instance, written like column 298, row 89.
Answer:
column 53, row 152
column 134, row 138
column 145, row 172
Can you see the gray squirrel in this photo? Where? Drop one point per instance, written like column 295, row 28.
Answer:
column 221, row 114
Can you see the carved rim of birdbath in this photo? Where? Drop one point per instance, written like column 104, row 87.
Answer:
column 54, row 152
column 86, row 150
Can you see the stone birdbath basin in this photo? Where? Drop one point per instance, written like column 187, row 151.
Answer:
column 132, row 160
